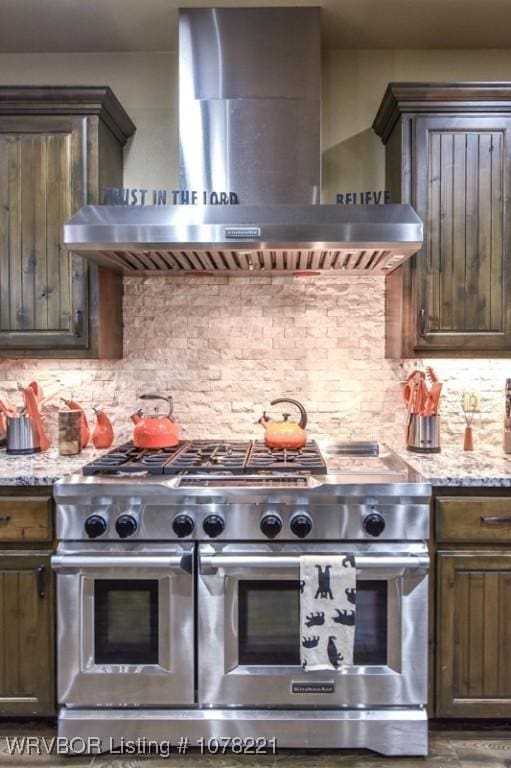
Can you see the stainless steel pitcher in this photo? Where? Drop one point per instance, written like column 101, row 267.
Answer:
column 22, row 436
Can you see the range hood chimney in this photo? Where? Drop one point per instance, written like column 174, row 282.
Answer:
column 250, row 128
column 250, row 103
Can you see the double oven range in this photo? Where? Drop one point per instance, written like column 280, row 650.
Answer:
column 178, row 596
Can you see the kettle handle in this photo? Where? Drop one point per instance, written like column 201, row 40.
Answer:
column 152, row 396
column 303, row 412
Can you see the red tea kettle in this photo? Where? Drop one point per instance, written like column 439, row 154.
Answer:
column 285, row 434
column 155, row 431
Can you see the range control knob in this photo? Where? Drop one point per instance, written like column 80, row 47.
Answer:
column 374, row 524
column 126, row 525
column 183, row 526
column 301, row 525
column 213, row 526
column 271, row 525
column 95, row 526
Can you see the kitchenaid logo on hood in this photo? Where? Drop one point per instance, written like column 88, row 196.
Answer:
column 141, row 196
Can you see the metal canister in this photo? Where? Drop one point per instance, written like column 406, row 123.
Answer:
column 424, row 434
column 22, row 438
column 69, row 432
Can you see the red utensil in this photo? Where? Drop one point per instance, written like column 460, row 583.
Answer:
column 32, row 407
column 433, row 402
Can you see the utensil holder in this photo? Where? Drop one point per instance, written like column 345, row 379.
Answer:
column 424, row 434
column 22, row 438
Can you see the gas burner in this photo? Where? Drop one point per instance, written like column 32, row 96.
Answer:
column 308, row 458
column 211, row 456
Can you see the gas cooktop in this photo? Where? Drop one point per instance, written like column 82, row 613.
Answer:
column 210, row 456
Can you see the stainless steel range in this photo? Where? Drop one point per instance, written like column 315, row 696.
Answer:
column 178, row 595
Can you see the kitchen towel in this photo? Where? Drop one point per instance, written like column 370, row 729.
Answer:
column 328, row 591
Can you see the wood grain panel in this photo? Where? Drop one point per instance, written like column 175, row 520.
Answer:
column 10, row 628
column 39, row 234
column 24, row 518
column 14, row 252
column 27, row 319
column 459, row 185
column 459, row 244
column 504, row 637
column 474, row 634
column 56, row 265
column 445, row 272
column 26, row 635
column 497, row 319
column 473, row 519
column 5, row 293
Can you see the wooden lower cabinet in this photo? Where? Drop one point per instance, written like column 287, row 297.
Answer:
column 27, row 666
column 473, row 634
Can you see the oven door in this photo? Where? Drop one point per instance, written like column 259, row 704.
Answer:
column 249, row 628
column 125, row 623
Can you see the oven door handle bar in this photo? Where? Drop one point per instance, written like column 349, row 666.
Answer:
column 61, row 562
column 211, row 563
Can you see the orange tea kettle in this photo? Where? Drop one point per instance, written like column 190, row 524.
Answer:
column 155, row 431
column 285, row 434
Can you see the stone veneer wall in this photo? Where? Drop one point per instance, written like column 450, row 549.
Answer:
column 225, row 347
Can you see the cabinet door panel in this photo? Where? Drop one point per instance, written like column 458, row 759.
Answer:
column 43, row 290
column 26, row 636
column 461, row 187
column 474, row 635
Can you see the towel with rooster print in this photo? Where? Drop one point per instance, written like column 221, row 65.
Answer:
column 327, row 611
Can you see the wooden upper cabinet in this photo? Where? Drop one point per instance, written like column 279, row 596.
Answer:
column 448, row 153
column 58, row 148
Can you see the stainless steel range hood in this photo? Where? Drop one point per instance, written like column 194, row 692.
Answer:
column 365, row 239
column 249, row 124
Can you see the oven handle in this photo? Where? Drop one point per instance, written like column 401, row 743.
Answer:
column 211, row 563
column 63, row 562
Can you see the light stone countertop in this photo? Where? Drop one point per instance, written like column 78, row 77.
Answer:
column 456, row 467
column 451, row 467
column 41, row 468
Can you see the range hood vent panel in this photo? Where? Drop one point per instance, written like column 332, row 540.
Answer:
column 139, row 240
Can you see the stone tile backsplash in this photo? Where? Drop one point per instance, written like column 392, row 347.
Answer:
column 224, row 347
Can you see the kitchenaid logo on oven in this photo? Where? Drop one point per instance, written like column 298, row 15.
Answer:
column 313, row 687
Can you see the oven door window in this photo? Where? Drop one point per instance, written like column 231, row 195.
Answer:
column 126, row 621
column 269, row 623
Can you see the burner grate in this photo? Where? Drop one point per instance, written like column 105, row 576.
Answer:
column 211, row 456
column 128, row 459
column 235, row 457
column 308, row 458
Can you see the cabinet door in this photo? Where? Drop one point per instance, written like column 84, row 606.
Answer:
column 473, row 634
column 43, row 181
column 26, row 634
column 463, row 281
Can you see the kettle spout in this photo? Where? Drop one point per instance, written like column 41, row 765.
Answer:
column 264, row 420
column 137, row 416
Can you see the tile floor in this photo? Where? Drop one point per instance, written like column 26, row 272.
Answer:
column 458, row 749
